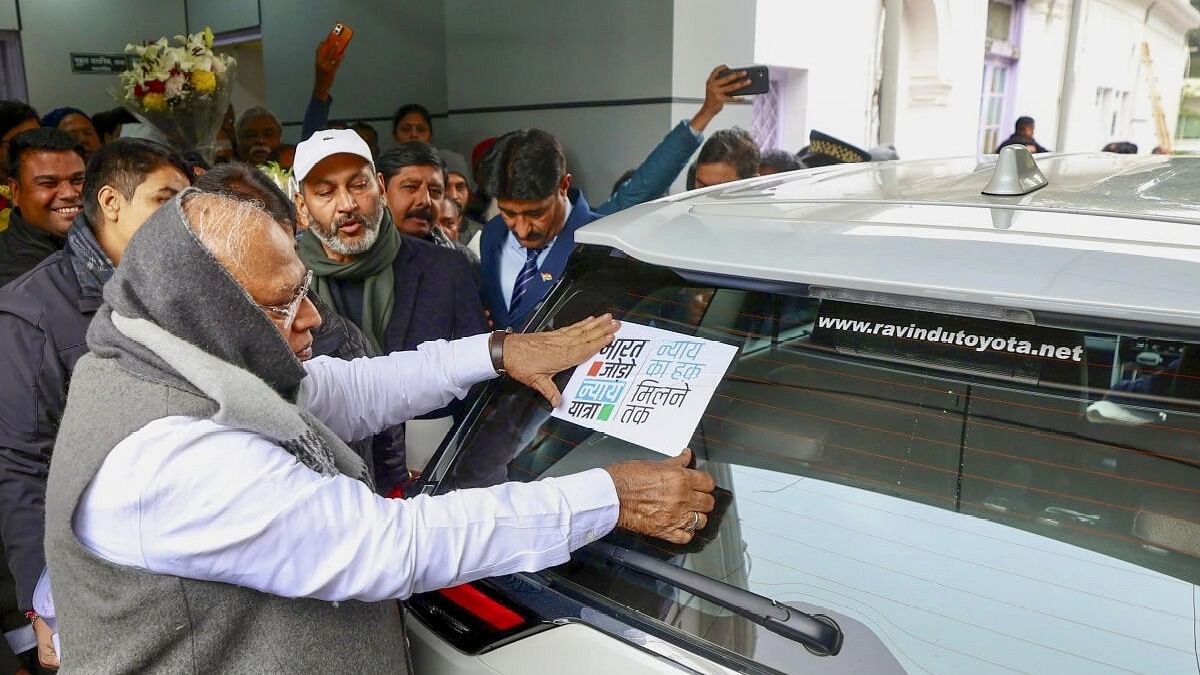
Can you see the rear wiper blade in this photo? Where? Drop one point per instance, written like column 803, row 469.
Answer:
column 818, row 633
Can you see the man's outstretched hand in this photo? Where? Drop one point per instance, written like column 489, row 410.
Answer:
column 717, row 93
column 663, row 499
column 533, row 359
column 326, row 64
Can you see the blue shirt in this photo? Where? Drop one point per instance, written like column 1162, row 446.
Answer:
column 512, row 259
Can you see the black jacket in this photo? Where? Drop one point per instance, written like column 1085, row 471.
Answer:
column 383, row 453
column 44, row 315
column 1021, row 140
column 22, row 246
column 437, row 298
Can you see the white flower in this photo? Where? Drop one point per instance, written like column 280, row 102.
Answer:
column 175, row 85
column 173, row 62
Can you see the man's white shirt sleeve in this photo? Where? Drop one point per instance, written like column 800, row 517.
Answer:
column 358, row 398
column 192, row 498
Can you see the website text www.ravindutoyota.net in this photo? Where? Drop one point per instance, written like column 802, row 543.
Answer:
column 980, row 343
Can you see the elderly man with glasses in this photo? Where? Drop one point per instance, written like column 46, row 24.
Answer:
column 203, row 510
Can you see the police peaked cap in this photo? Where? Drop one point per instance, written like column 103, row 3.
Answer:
column 824, row 150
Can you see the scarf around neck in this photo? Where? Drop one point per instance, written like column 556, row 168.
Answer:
column 373, row 268
column 92, row 266
column 174, row 316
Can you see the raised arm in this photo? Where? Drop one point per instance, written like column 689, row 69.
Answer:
column 358, row 398
column 325, row 65
column 661, row 167
column 361, row 397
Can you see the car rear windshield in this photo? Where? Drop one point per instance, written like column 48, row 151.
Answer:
column 961, row 494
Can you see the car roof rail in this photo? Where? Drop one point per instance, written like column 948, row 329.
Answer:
column 1016, row 173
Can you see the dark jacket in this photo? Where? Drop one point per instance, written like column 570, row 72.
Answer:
column 22, row 246
column 495, row 236
column 44, row 316
column 437, row 298
column 383, row 453
column 1021, row 140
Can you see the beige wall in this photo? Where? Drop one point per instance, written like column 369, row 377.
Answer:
column 551, row 52
column 52, row 29
column 250, row 87
column 8, row 14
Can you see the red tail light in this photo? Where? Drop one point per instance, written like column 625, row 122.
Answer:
column 483, row 607
column 473, row 617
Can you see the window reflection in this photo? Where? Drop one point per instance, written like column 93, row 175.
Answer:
column 912, row 490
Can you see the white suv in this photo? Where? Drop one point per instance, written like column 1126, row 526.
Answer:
column 961, row 431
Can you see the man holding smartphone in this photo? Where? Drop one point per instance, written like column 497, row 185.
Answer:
column 328, row 59
column 662, row 166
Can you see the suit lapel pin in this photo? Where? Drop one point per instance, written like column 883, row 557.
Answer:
column 546, row 276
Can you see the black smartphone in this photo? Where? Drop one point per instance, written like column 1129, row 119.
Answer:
column 760, row 80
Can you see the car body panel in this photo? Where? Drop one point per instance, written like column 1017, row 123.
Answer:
column 946, row 589
column 569, row 648
column 1109, row 238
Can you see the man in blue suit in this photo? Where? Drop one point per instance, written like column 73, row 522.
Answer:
column 525, row 249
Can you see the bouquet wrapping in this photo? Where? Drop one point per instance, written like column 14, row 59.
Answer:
column 182, row 90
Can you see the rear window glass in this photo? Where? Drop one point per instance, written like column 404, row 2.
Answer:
column 972, row 495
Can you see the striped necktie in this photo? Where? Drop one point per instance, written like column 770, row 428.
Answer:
column 525, row 278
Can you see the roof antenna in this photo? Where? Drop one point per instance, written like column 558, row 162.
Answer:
column 1015, row 174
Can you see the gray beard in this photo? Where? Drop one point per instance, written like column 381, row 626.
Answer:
column 332, row 242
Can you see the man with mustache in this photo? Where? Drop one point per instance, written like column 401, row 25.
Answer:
column 414, row 180
column 401, row 291
column 47, row 187
column 527, row 174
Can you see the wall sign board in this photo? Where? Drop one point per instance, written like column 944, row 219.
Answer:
column 101, row 64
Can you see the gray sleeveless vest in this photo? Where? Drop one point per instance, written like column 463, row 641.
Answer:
column 118, row 619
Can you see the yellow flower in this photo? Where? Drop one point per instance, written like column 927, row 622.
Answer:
column 5, row 206
column 203, row 81
column 154, row 102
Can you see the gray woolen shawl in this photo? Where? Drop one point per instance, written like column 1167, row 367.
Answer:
column 173, row 315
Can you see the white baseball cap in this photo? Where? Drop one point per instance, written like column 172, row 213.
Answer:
column 328, row 142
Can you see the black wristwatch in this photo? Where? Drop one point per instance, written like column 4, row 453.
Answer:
column 496, row 349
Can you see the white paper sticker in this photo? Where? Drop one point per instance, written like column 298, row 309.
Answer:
column 649, row 387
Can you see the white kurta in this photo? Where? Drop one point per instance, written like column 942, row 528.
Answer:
column 192, row 498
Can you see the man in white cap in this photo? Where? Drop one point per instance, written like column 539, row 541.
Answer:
column 401, row 291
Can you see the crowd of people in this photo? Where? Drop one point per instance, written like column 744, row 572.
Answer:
column 227, row 373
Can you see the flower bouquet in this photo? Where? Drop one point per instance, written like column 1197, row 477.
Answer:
column 6, row 204
column 182, row 90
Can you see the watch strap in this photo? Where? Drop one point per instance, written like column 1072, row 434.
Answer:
column 496, row 349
